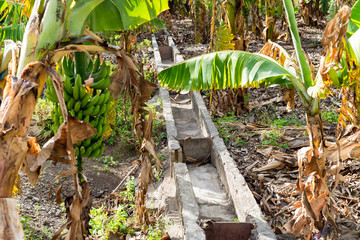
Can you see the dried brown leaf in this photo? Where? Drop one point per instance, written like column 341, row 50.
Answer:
column 58, row 198
column 265, row 151
column 333, row 34
column 33, row 151
column 57, row 148
column 271, row 165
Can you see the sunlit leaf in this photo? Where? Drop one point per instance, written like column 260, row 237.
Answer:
column 226, row 69
column 113, row 15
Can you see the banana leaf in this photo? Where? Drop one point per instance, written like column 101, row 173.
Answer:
column 305, row 69
column 111, row 15
column 13, row 21
column 225, row 69
column 355, row 44
column 354, row 23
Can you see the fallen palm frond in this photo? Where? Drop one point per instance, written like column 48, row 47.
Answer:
column 132, row 82
column 340, row 68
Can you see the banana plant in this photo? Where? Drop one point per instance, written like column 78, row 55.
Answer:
column 52, row 25
column 342, row 66
column 234, row 69
column 13, row 21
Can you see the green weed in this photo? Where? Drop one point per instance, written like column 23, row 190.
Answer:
column 330, row 116
column 240, row 142
column 103, row 224
column 282, row 122
column 157, row 231
column 273, row 138
column 42, row 114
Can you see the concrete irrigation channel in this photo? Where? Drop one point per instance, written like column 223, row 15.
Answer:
column 209, row 192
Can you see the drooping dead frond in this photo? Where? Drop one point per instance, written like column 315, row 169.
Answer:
column 334, row 32
column 348, row 112
column 337, row 47
column 131, row 81
column 276, row 52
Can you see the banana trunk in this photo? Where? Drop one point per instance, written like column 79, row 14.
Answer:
column 270, row 21
column 316, row 133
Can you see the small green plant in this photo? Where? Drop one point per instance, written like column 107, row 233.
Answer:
column 282, row 122
column 42, row 114
column 98, row 221
column 273, row 138
column 330, row 116
column 225, row 131
column 156, row 231
column 28, row 230
column 32, row 233
column 240, row 142
column 108, row 160
column 103, row 224
column 247, row 97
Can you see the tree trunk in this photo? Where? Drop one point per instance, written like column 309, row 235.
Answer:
column 255, row 19
column 241, row 43
column 270, row 21
column 316, row 133
column 199, row 12
column 229, row 100
column 10, row 227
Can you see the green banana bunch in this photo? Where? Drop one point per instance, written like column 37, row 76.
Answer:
column 87, row 104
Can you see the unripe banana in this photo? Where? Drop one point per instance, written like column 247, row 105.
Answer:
column 77, row 107
column 87, row 151
column 72, row 113
column 78, row 81
column 108, row 105
column 99, row 130
column 82, row 92
column 70, row 104
column 86, row 142
column 95, row 153
column 76, row 92
column 76, row 151
column 102, row 84
column 102, row 148
column 90, row 66
column 101, row 99
column 80, row 115
column 107, row 96
column 66, row 96
column 67, row 85
column 93, row 101
column 66, row 68
column 104, row 128
column 96, row 65
column 51, row 97
column 89, row 111
column 96, row 110
column 82, row 150
column 85, row 99
column 102, row 109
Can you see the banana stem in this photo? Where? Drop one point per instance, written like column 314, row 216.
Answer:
column 80, row 64
column 79, row 165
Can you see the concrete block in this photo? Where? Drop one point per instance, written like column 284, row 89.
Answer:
column 246, row 207
column 189, row 208
column 204, row 118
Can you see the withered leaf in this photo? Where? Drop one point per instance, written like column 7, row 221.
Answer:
column 30, row 160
